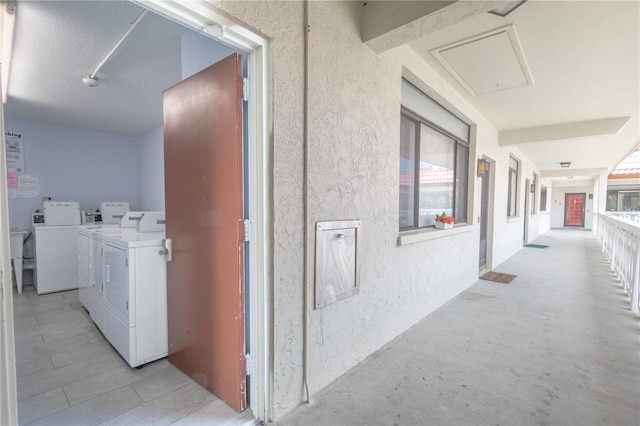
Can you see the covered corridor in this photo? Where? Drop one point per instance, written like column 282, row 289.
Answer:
column 559, row 345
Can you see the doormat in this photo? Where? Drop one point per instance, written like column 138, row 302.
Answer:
column 498, row 277
column 540, row 246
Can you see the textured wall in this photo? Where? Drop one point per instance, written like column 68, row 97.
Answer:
column 352, row 173
column 509, row 232
column 354, row 148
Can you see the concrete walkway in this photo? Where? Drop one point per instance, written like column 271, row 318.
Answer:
column 557, row 346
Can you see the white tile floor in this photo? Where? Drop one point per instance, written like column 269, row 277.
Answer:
column 68, row 374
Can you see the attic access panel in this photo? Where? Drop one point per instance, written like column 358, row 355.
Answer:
column 337, row 253
column 488, row 62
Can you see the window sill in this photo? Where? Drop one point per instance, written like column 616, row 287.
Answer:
column 513, row 219
column 417, row 236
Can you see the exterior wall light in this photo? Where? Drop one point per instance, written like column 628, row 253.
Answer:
column 565, row 164
column 483, row 167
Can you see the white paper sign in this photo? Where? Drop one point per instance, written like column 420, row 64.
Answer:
column 28, row 186
column 14, row 148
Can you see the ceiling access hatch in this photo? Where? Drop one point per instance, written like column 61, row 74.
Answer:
column 488, row 62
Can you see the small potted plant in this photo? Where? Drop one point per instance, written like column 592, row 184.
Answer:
column 444, row 222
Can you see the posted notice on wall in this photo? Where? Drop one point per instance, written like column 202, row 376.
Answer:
column 28, row 186
column 23, row 185
column 14, row 148
column 12, row 184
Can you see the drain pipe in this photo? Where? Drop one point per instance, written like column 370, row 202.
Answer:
column 305, row 207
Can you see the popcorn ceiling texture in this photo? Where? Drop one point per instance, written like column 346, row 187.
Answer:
column 353, row 174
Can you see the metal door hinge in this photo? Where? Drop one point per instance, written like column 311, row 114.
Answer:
column 166, row 249
column 126, row 262
column 127, row 306
column 245, row 89
column 248, row 360
column 247, row 229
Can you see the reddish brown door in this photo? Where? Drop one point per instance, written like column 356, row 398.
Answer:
column 204, row 212
column 574, row 209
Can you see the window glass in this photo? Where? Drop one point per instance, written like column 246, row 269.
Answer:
column 628, row 201
column 533, row 198
column 407, row 171
column 433, row 174
column 462, row 177
column 543, row 199
column 513, row 187
column 513, row 163
column 623, row 200
column 437, row 163
column 612, row 201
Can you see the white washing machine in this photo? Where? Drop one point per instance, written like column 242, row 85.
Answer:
column 56, row 243
column 56, row 257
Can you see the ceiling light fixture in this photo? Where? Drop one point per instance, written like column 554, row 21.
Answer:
column 507, row 8
column 91, row 80
column 7, row 23
column 565, row 164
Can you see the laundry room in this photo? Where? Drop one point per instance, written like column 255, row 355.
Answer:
column 83, row 125
column 93, row 143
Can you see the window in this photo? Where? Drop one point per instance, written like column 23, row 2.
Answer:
column 533, row 198
column 434, row 162
column 623, row 200
column 512, row 200
column 543, row 199
column 433, row 174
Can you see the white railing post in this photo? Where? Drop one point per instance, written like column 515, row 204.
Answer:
column 620, row 237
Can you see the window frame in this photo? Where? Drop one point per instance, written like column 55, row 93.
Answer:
column 534, row 205
column 516, row 185
column 418, row 120
column 543, row 200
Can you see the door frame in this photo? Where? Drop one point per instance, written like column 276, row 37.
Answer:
column 566, row 204
column 491, row 176
column 196, row 16
column 8, row 390
column 527, row 206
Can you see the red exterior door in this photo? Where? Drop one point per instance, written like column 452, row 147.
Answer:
column 574, row 209
column 204, row 220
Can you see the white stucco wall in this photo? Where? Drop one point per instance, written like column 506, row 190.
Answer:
column 509, row 232
column 353, row 151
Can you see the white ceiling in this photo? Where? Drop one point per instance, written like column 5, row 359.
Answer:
column 584, row 57
column 57, row 43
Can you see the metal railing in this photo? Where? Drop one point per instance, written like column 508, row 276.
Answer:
column 620, row 239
